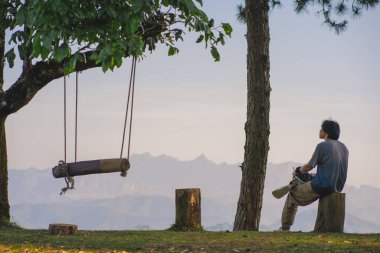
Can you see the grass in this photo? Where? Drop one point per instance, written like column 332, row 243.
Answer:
column 14, row 239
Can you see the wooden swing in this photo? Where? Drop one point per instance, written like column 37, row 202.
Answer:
column 69, row 170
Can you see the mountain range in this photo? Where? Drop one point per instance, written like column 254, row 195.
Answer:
column 145, row 198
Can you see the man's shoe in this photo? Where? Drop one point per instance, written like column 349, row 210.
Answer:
column 282, row 229
column 282, row 191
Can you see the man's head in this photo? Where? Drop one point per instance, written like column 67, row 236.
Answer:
column 329, row 130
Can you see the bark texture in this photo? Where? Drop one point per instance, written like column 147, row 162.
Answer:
column 63, row 229
column 257, row 125
column 4, row 203
column 331, row 213
column 188, row 209
column 32, row 80
column 91, row 167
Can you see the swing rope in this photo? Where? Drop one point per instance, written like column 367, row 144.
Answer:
column 68, row 179
column 64, row 116
column 76, row 115
column 131, row 89
column 130, row 101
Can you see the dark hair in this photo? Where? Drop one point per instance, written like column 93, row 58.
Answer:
column 332, row 128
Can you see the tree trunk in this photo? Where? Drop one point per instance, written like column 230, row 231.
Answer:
column 188, row 209
column 4, row 203
column 331, row 213
column 63, row 229
column 257, row 126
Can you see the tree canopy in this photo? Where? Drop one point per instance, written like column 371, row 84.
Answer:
column 104, row 31
column 333, row 12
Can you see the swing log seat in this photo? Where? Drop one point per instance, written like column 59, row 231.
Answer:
column 91, row 167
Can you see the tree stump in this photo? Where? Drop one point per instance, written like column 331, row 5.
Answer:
column 62, row 229
column 188, row 209
column 331, row 213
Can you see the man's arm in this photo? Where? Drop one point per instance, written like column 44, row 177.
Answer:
column 303, row 169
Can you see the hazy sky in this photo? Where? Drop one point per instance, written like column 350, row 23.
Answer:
column 188, row 105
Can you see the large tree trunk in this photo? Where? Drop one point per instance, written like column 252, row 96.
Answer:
column 4, row 204
column 257, row 126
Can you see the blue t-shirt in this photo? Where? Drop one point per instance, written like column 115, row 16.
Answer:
column 331, row 157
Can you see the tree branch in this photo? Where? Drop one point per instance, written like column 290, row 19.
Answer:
column 37, row 76
column 34, row 79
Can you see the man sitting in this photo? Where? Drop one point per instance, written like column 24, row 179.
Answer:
column 331, row 159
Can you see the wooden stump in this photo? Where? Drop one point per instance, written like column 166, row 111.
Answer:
column 62, row 229
column 331, row 213
column 188, row 209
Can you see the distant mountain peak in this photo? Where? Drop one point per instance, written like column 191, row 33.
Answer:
column 147, row 155
column 202, row 158
column 143, row 155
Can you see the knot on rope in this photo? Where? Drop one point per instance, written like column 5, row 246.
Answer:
column 68, row 179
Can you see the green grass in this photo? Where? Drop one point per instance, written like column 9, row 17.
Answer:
column 13, row 239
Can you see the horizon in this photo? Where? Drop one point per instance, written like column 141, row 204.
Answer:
column 207, row 159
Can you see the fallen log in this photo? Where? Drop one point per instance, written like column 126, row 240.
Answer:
column 91, row 167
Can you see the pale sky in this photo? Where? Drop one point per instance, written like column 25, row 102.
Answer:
column 188, row 105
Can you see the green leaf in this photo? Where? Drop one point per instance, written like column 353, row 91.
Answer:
column 138, row 5
column 104, row 53
column 67, row 70
column 172, row 51
column 73, row 62
column 191, row 7
column 199, row 25
column 48, row 39
column 21, row 16
column 36, row 47
column 62, row 52
column 135, row 46
column 165, row 3
column 44, row 53
column 227, row 28
column 106, row 64
column 221, row 38
column 21, row 52
column 93, row 56
column 211, row 23
column 10, row 55
column 215, row 53
column 200, row 39
column 134, row 24
column 118, row 61
column 111, row 10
